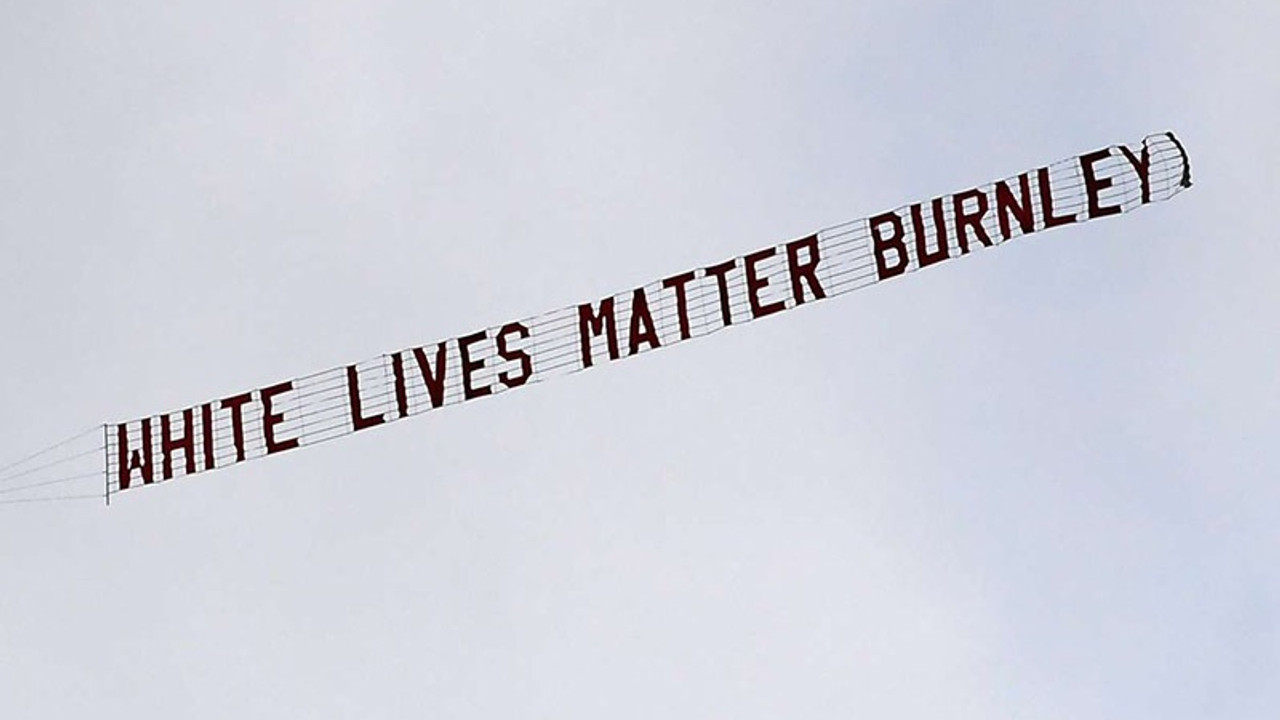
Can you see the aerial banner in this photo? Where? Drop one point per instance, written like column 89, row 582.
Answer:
column 309, row 409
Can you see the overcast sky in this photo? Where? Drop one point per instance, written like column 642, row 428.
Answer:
column 1040, row 482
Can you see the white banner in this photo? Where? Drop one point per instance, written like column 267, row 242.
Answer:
column 683, row 306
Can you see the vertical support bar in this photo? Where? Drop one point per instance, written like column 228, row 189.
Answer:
column 106, row 464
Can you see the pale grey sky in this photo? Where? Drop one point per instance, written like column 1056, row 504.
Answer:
column 1040, row 482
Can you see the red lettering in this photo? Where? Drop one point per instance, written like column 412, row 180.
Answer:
column 677, row 283
column 358, row 420
column 1143, row 168
column 926, row 257
column 127, row 462
column 880, row 244
column 235, row 403
column 433, row 380
column 755, row 284
column 402, row 392
column 722, row 283
column 271, row 419
column 206, row 434
column 186, row 443
column 469, row 366
column 526, row 362
column 1006, row 205
column 589, row 320
column 1094, row 185
column 807, row 270
column 642, row 329
column 966, row 221
column 1046, row 202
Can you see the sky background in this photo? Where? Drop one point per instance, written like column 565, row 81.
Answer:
column 1039, row 482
